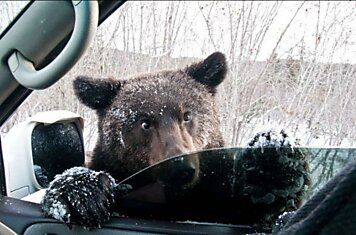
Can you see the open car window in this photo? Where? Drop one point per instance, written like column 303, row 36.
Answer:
column 294, row 88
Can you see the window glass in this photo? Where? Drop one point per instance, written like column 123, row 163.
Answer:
column 225, row 175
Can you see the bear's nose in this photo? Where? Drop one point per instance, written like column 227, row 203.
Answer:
column 187, row 173
column 179, row 172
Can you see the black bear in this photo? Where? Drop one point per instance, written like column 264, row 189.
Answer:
column 141, row 121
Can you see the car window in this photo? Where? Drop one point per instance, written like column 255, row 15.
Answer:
column 291, row 65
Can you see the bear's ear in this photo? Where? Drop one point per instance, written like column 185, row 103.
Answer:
column 96, row 93
column 210, row 72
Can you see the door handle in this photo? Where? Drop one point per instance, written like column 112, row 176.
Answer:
column 85, row 24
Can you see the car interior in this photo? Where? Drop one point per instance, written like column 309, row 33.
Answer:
column 36, row 150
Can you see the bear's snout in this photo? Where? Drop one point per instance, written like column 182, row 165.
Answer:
column 179, row 172
column 170, row 141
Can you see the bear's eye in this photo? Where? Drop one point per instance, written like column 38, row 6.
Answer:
column 145, row 124
column 187, row 116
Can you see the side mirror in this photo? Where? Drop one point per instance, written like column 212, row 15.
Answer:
column 55, row 148
column 36, row 150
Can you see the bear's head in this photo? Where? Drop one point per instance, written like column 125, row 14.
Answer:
column 147, row 118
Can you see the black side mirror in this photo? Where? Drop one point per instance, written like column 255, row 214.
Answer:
column 55, row 148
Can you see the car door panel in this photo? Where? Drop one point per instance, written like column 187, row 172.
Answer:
column 24, row 217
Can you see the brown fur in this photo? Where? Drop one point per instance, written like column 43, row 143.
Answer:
column 178, row 108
